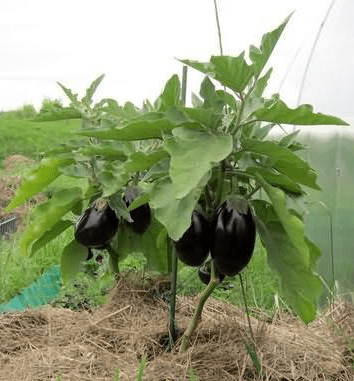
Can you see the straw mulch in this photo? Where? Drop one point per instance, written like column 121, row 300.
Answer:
column 92, row 345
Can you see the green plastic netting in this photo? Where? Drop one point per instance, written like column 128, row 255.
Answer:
column 39, row 293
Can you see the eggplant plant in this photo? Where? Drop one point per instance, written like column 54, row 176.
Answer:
column 215, row 157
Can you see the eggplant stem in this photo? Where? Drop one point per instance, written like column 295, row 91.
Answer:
column 219, row 191
column 113, row 258
column 173, row 328
column 245, row 302
column 214, row 281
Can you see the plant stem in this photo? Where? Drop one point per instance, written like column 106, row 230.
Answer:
column 251, row 348
column 173, row 329
column 184, row 85
column 245, row 302
column 171, row 253
column 332, row 252
column 218, row 26
column 255, row 190
column 214, row 281
column 238, row 124
column 219, row 190
column 113, row 258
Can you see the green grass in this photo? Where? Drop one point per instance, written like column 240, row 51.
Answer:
column 18, row 272
column 88, row 291
column 85, row 292
column 20, row 136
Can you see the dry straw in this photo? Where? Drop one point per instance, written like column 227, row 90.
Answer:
column 92, row 345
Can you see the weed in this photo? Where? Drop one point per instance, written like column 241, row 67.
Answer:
column 141, row 369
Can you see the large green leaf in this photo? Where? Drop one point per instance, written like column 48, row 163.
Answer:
column 291, row 223
column 255, row 100
column 260, row 56
column 113, row 177
column 279, row 112
column 203, row 67
column 140, row 161
column 195, row 118
column 73, row 97
column 49, row 235
column 212, row 99
column 117, row 203
column 289, row 139
column 47, row 172
column 232, row 72
column 107, row 151
column 174, row 213
column 149, row 244
column 193, row 153
column 283, row 160
column 260, row 132
column 277, row 179
column 300, row 285
column 46, row 215
column 142, row 199
column 147, row 127
column 77, row 170
column 72, row 258
column 126, row 112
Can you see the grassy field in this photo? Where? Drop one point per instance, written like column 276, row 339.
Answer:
column 21, row 136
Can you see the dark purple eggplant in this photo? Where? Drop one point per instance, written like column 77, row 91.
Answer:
column 204, row 273
column 193, row 248
column 141, row 216
column 96, row 226
column 233, row 238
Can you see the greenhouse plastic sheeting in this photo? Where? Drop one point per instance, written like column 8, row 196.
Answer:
column 40, row 292
column 330, row 217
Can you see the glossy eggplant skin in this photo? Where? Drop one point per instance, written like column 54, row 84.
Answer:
column 193, row 247
column 141, row 217
column 204, row 273
column 233, row 239
column 96, row 227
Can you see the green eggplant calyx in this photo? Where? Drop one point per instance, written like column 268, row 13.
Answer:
column 204, row 273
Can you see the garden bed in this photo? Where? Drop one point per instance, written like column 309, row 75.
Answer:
column 91, row 345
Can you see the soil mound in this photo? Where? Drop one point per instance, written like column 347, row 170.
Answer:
column 93, row 345
column 9, row 183
column 13, row 162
